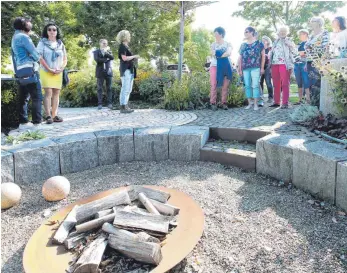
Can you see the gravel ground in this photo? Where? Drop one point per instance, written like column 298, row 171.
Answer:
column 253, row 223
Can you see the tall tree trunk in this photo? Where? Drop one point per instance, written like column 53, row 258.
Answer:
column 180, row 59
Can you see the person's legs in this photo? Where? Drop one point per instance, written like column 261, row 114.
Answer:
column 23, row 99
column 130, row 79
column 285, row 80
column 47, row 101
column 255, row 75
column 277, row 83
column 36, row 101
column 213, row 83
column 298, row 78
column 306, row 80
column 55, row 102
column 262, row 79
column 248, row 85
column 269, row 86
column 225, row 89
column 109, row 90
column 100, row 83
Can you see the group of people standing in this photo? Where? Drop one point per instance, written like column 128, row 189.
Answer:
column 273, row 62
column 51, row 54
column 43, row 67
column 127, row 68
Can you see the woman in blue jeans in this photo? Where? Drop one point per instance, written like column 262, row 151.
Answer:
column 127, row 70
column 300, row 71
column 251, row 66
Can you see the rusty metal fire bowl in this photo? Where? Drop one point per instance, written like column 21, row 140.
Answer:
column 41, row 256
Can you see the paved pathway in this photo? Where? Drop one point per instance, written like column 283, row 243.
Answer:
column 78, row 120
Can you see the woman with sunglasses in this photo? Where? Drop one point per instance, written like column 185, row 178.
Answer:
column 53, row 62
column 251, row 66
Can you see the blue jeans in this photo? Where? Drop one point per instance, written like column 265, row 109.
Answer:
column 301, row 76
column 251, row 78
column 127, row 86
column 33, row 91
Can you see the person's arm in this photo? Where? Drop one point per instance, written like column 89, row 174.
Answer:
column 109, row 55
column 228, row 52
column 129, row 58
column 40, row 49
column 262, row 67
column 30, row 47
column 239, row 62
column 213, row 51
column 98, row 59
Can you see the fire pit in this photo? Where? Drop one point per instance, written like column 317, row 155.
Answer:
column 43, row 255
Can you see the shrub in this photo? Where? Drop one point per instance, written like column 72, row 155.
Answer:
column 152, row 88
column 194, row 90
column 81, row 91
column 177, row 94
column 9, row 105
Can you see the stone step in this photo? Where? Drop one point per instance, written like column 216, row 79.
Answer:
column 230, row 153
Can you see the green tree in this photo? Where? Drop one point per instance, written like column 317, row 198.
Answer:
column 269, row 15
column 197, row 48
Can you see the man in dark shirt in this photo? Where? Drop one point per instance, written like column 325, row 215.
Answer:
column 103, row 57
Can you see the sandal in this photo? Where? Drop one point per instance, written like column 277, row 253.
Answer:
column 57, row 119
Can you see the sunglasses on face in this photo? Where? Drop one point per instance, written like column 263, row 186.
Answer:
column 52, row 29
column 246, row 31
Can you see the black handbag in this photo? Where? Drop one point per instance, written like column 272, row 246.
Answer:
column 66, row 79
column 24, row 75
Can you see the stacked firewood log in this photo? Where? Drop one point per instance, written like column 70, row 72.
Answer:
column 134, row 222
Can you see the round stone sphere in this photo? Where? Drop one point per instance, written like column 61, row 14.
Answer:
column 10, row 195
column 56, row 188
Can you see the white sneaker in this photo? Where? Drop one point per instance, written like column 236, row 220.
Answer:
column 26, row 126
column 248, row 106
column 256, row 108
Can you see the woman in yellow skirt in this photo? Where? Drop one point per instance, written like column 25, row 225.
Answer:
column 53, row 62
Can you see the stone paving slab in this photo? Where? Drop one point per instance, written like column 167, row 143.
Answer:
column 7, row 167
column 35, row 161
column 78, row 152
column 314, row 168
column 341, row 185
column 115, row 146
column 151, row 144
column 185, row 142
column 89, row 119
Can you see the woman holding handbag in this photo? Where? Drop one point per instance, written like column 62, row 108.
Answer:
column 53, row 62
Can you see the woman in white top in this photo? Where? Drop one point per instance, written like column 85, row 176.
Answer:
column 338, row 44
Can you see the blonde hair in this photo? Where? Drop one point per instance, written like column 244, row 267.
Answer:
column 286, row 28
column 268, row 40
column 122, row 36
column 319, row 20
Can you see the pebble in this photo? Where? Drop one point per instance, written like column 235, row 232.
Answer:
column 47, row 212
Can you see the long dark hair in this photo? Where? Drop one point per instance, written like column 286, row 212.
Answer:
column 342, row 22
column 45, row 31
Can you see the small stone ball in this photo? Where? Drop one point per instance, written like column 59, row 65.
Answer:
column 56, row 188
column 10, row 195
